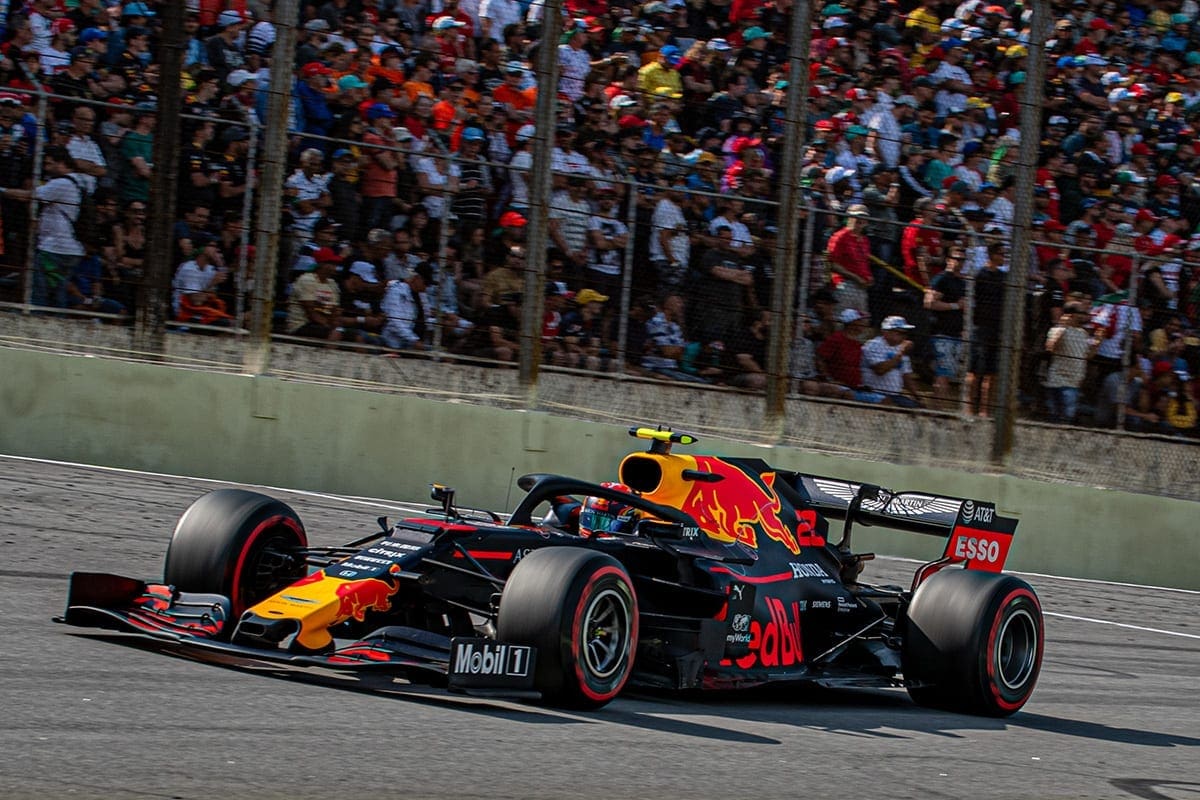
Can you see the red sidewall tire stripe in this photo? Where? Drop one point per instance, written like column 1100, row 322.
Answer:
column 993, row 680
column 237, row 599
column 577, row 634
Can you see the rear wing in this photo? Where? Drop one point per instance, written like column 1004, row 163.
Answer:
column 975, row 534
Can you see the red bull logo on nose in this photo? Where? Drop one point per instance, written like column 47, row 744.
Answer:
column 356, row 598
column 742, row 506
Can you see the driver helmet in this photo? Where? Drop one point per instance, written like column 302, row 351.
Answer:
column 600, row 515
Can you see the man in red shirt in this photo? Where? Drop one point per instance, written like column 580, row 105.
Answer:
column 849, row 254
column 921, row 247
column 839, row 355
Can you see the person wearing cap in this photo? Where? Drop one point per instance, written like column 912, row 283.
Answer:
column 953, row 82
column 1147, row 411
column 574, row 61
column 881, row 196
column 662, row 73
column 381, row 168
column 849, row 257
column 345, row 198
column 57, row 56
column 137, row 155
column 224, row 48
column 839, row 354
column 315, row 301
column 310, row 41
column 887, row 374
column 404, row 307
column 475, row 183
column 77, row 79
column 582, row 328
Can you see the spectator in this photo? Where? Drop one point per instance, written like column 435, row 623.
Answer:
column 195, row 287
column 849, row 254
column 405, row 310
column 1070, row 347
column 582, row 332
column 670, row 240
column 379, row 176
column 839, row 355
column 946, row 300
column 887, row 375
column 315, row 304
column 608, row 238
column 987, row 315
column 570, row 215
column 750, row 353
column 362, row 312
column 137, row 150
column 666, row 344
column 475, row 183
column 58, row 248
column 497, row 334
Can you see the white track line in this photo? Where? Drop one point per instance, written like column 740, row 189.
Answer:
column 1121, row 625
column 1066, row 578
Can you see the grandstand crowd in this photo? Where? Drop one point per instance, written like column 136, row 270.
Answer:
column 411, row 123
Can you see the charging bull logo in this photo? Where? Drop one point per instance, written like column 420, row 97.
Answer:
column 356, row 598
column 742, row 506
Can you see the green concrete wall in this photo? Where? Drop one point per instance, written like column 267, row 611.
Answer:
column 340, row 440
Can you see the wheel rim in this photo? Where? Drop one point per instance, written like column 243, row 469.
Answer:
column 606, row 626
column 271, row 564
column 1016, row 650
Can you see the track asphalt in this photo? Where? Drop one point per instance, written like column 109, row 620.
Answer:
column 1116, row 713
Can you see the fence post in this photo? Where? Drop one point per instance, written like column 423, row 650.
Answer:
column 39, row 148
column 1013, row 326
column 545, row 114
column 627, row 274
column 783, row 290
column 266, row 248
column 247, row 217
column 153, row 296
column 968, row 340
column 1127, row 348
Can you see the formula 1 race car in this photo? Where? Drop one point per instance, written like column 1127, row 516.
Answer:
column 692, row 572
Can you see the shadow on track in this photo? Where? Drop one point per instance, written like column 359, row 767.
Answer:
column 877, row 714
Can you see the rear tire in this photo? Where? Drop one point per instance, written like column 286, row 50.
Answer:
column 579, row 609
column 238, row 544
column 974, row 643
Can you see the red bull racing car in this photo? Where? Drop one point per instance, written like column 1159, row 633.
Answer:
column 692, row 572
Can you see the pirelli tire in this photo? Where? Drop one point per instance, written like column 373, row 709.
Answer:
column 236, row 543
column 578, row 608
column 973, row 643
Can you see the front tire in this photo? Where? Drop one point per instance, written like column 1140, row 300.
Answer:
column 577, row 607
column 236, row 543
column 974, row 643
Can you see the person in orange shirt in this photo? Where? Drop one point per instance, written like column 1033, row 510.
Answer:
column 419, row 82
column 450, row 108
column 518, row 102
